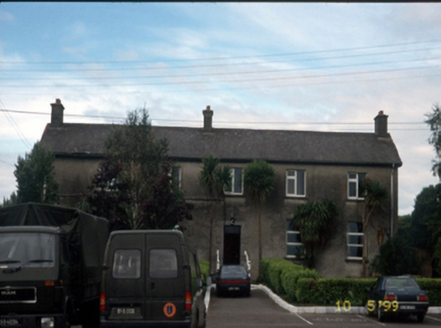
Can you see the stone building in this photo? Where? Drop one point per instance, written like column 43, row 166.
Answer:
column 309, row 166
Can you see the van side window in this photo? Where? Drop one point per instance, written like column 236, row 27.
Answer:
column 163, row 263
column 127, row 264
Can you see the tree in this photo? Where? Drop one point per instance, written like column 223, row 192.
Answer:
column 259, row 181
column 375, row 200
column 397, row 256
column 213, row 179
column 130, row 186
column 426, row 224
column 434, row 121
column 35, row 177
column 316, row 223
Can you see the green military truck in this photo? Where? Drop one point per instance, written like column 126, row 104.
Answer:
column 50, row 266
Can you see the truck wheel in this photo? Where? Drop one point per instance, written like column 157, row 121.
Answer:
column 90, row 314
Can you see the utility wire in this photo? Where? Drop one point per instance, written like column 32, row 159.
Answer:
column 229, row 58
column 239, row 80
column 211, row 74
column 15, row 126
column 197, row 121
column 137, row 68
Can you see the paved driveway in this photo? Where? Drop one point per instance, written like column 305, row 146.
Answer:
column 261, row 311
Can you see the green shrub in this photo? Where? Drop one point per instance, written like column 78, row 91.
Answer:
column 291, row 277
column 205, row 269
column 304, row 286
column 433, row 289
column 272, row 270
column 305, row 290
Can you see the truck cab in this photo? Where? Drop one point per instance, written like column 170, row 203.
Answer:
column 31, row 281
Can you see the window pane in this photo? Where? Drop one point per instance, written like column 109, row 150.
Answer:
column 238, row 181
column 294, row 250
column 355, row 239
column 361, row 177
column 301, row 183
column 127, row 264
column 290, row 186
column 293, row 237
column 176, row 174
column 355, row 251
column 352, row 189
column 163, row 263
column 291, row 173
column 355, row 227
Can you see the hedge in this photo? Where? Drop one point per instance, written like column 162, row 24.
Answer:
column 282, row 275
column 304, row 286
column 433, row 289
column 328, row 291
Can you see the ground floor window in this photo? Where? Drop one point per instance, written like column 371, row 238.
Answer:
column 294, row 246
column 355, row 237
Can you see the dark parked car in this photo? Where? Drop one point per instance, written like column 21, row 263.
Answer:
column 233, row 279
column 397, row 296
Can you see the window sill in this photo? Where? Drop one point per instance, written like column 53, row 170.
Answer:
column 354, row 259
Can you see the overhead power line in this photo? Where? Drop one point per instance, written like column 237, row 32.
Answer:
column 231, row 57
column 198, row 121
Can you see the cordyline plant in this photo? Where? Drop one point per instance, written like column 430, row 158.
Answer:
column 316, row 223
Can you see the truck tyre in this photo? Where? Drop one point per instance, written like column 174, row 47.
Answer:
column 90, row 317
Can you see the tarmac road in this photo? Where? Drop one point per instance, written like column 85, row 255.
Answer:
column 261, row 311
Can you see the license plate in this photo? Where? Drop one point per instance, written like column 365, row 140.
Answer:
column 233, row 288
column 125, row 311
column 407, row 307
column 10, row 323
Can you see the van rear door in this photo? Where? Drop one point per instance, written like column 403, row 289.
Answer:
column 124, row 283
column 166, row 271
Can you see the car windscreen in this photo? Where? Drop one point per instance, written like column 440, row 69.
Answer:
column 233, row 271
column 27, row 249
column 401, row 283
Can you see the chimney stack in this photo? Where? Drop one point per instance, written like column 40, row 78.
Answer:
column 208, row 119
column 381, row 125
column 57, row 114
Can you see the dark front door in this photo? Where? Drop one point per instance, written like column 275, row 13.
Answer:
column 231, row 244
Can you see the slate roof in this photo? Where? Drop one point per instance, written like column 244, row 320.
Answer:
column 237, row 145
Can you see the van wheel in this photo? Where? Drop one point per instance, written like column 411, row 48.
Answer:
column 420, row 317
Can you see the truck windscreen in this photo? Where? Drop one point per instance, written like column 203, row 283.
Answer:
column 27, row 249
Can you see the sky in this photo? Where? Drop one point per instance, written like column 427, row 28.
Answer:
column 297, row 66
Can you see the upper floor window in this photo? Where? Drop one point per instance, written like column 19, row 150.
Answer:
column 294, row 246
column 176, row 176
column 355, row 237
column 355, row 185
column 236, row 183
column 295, row 183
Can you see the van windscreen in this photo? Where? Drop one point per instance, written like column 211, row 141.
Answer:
column 163, row 263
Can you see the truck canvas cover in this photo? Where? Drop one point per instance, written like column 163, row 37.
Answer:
column 87, row 232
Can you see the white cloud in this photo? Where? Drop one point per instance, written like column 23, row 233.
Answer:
column 6, row 16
